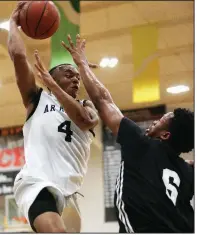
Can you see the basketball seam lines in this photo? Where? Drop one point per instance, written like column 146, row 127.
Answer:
column 27, row 18
column 41, row 18
column 50, row 27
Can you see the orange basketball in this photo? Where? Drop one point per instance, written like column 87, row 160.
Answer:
column 39, row 19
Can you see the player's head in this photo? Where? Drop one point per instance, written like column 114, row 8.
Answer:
column 67, row 77
column 177, row 128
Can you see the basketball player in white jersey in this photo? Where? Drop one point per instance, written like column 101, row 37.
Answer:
column 56, row 138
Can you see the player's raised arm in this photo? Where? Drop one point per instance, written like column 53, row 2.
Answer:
column 100, row 96
column 23, row 71
column 85, row 117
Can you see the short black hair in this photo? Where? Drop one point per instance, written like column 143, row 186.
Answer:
column 181, row 128
column 57, row 66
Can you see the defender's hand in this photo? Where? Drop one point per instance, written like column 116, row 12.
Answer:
column 78, row 51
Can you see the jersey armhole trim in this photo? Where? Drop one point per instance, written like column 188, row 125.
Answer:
column 91, row 131
column 35, row 101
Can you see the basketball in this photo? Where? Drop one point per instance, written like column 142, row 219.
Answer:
column 39, row 19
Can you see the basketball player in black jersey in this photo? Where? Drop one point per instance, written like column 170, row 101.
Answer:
column 155, row 185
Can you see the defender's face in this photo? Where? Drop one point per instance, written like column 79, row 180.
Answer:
column 68, row 78
column 159, row 128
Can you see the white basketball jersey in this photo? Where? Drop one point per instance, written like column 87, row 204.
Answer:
column 55, row 148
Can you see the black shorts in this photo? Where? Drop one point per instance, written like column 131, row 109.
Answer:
column 44, row 202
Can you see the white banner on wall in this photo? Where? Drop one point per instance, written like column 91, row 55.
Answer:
column 11, row 158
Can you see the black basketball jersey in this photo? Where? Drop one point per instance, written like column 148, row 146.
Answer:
column 154, row 186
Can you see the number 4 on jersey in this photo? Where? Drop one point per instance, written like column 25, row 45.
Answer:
column 171, row 190
column 67, row 131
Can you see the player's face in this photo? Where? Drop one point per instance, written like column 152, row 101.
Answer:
column 68, row 79
column 159, row 128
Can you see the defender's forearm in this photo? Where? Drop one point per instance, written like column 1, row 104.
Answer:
column 95, row 89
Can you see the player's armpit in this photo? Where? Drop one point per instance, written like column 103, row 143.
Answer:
column 131, row 136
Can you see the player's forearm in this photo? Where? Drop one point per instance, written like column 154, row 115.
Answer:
column 16, row 45
column 95, row 89
column 74, row 109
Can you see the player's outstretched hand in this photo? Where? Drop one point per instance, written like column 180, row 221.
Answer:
column 43, row 73
column 15, row 14
column 78, row 51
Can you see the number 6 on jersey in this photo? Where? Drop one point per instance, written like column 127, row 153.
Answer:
column 171, row 190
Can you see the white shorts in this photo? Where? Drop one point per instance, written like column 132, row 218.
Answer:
column 27, row 188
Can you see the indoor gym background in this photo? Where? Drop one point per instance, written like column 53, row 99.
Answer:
column 153, row 35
